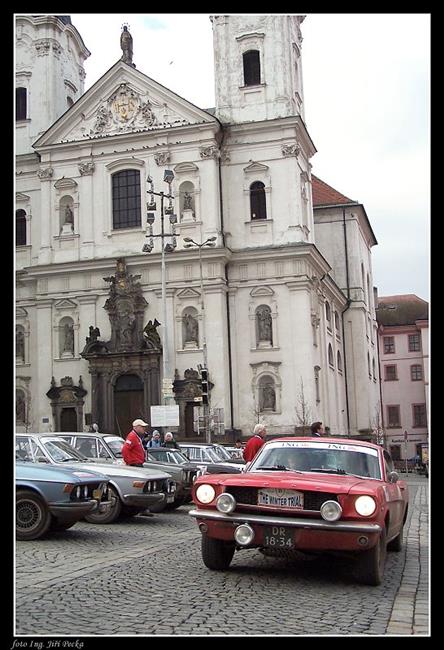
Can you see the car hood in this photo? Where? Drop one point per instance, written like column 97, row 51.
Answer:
column 39, row 472
column 125, row 471
column 316, row 482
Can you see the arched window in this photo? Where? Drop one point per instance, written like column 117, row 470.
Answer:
column 20, row 407
column 264, row 325
column 337, row 321
column 20, row 104
column 331, row 360
column 258, row 207
column 252, row 68
column 66, row 337
column 20, row 228
column 339, row 361
column 126, row 199
column 328, row 313
column 267, row 394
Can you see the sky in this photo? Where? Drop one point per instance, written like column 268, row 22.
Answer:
column 366, row 84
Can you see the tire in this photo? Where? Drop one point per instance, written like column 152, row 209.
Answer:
column 32, row 516
column 216, row 553
column 112, row 514
column 370, row 564
column 397, row 543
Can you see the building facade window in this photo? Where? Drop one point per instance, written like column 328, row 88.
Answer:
column 414, row 343
column 264, row 326
column 20, row 228
column 19, row 344
column 126, row 199
column 337, row 327
column 252, row 68
column 331, row 360
column 339, row 361
column 258, row 207
column 20, row 104
column 416, row 372
column 395, row 452
column 393, row 416
column 389, row 344
column 419, row 415
column 391, row 373
column 328, row 313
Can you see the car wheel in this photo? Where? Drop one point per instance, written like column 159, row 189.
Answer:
column 111, row 515
column 397, row 543
column 32, row 516
column 370, row 564
column 216, row 553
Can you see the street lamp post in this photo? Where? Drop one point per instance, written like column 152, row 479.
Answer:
column 168, row 177
column 190, row 243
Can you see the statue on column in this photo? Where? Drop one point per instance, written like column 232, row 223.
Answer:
column 126, row 44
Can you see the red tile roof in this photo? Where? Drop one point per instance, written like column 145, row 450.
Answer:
column 405, row 309
column 323, row 194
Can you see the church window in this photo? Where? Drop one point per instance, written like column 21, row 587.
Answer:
column 339, row 361
column 258, row 206
column 252, row 68
column 20, row 228
column 126, row 199
column 20, row 104
column 331, row 360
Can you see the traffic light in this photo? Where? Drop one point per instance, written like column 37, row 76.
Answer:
column 204, row 385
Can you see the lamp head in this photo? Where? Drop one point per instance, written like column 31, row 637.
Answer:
column 173, row 218
column 188, row 246
column 147, row 248
column 187, row 239
column 150, row 218
column 168, row 176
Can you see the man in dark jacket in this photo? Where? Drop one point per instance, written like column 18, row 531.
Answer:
column 316, row 429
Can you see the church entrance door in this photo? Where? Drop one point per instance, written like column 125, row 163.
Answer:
column 128, row 403
column 68, row 419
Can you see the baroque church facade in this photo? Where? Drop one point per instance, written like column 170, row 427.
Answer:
column 280, row 307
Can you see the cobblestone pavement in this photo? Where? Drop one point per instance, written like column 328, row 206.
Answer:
column 145, row 576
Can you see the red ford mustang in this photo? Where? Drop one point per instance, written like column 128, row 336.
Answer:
column 321, row 495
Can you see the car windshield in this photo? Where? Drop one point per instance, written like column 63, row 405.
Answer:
column 115, row 443
column 167, row 456
column 60, row 451
column 223, row 453
column 328, row 458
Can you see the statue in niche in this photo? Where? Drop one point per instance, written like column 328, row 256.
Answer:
column 264, row 324
column 191, row 329
column 126, row 44
column 69, row 216
column 68, row 343
column 187, row 201
column 127, row 321
column 20, row 344
column 150, row 331
column 20, row 408
column 268, row 397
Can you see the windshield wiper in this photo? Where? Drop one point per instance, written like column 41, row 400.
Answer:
column 328, row 470
column 278, row 468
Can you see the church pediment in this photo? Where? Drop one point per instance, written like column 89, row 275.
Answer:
column 123, row 101
column 65, row 303
column 261, row 291
column 188, row 293
column 19, row 196
column 255, row 167
column 65, row 184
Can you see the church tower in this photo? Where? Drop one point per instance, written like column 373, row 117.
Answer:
column 50, row 77
column 258, row 73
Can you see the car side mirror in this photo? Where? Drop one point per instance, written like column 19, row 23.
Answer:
column 393, row 477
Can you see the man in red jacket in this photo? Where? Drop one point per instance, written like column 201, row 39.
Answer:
column 255, row 442
column 132, row 451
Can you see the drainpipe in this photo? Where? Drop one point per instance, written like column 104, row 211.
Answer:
column 347, row 277
column 230, row 366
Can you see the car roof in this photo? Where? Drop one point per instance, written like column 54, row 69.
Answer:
column 330, row 439
column 91, row 434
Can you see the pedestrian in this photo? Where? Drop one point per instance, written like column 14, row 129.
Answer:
column 155, row 440
column 327, row 431
column 238, row 449
column 169, row 441
column 255, row 442
column 316, row 429
column 133, row 452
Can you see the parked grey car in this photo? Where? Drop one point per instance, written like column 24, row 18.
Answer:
column 104, row 447
column 132, row 489
column 50, row 498
column 213, row 457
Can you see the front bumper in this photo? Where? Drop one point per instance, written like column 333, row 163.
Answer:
column 71, row 510
column 147, row 500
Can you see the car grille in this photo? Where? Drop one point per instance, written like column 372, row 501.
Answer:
column 165, row 485
column 312, row 500
column 190, row 475
column 86, row 496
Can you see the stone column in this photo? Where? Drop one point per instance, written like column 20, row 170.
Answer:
column 86, row 211
column 45, row 175
column 44, row 357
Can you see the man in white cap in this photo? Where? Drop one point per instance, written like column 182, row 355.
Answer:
column 132, row 451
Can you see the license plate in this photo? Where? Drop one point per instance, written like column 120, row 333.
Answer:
column 278, row 537
column 281, row 498
column 170, row 498
column 97, row 494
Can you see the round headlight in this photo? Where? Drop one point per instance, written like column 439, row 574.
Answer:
column 225, row 503
column 331, row 511
column 365, row 506
column 244, row 534
column 205, row 493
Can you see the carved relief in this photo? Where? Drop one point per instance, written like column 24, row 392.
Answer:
column 45, row 174
column 290, row 150
column 162, row 157
column 211, row 151
column 86, row 168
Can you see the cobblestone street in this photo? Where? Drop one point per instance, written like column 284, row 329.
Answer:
column 145, row 576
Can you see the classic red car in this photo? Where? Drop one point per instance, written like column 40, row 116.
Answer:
column 321, row 495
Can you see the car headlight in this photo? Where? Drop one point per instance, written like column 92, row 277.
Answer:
column 225, row 503
column 205, row 493
column 331, row 511
column 78, row 492
column 85, row 491
column 365, row 506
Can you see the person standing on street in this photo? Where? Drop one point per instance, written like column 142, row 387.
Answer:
column 133, row 452
column 170, row 442
column 155, row 440
column 316, row 429
column 255, row 442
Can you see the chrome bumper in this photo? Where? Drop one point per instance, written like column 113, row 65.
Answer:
column 293, row 522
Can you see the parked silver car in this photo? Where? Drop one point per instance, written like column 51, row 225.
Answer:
column 213, row 457
column 105, row 447
column 132, row 489
column 49, row 498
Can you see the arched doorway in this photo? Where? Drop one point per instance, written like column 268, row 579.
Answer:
column 128, row 403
